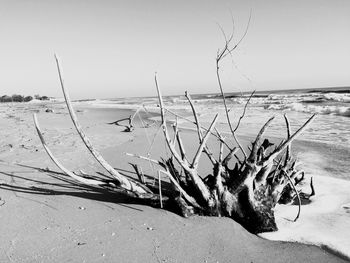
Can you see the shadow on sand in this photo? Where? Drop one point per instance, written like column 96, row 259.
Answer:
column 64, row 185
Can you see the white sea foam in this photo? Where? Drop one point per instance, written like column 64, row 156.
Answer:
column 333, row 110
column 255, row 115
column 296, row 98
column 337, row 97
column 324, row 222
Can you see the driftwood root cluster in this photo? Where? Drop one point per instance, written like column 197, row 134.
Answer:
column 247, row 193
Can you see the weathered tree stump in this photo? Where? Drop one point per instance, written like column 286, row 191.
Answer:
column 248, row 193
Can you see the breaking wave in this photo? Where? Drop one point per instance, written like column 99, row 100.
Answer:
column 306, row 108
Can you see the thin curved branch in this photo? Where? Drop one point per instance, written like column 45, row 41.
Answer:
column 296, row 192
column 256, row 144
column 193, row 122
column 199, row 132
column 171, row 147
column 221, row 55
column 188, row 198
column 177, row 138
column 197, row 181
column 243, row 36
column 203, row 143
column 229, row 156
column 280, row 148
column 288, row 152
column 245, row 108
column 124, row 182
column 227, row 111
column 145, row 158
column 58, row 164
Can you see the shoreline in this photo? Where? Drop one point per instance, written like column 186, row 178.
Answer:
column 53, row 208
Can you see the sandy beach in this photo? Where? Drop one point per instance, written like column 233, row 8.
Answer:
column 47, row 217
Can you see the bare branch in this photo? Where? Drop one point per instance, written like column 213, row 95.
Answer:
column 203, row 143
column 279, row 149
column 139, row 173
column 238, row 160
column 218, row 178
column 188, row 198
column 58, row 164
column 245, row 107
column 199, row 132
column 144, row 158
column 243, row 36
column 196, row 120
column 124, row 182
column 277, row 169
column 229, row 156
column 288, row 152
column 256, row 144
column 171, row 147
column 193, row 122
column 197, row 181
column 296, row 192
column 226, row 110
column 221, row 55
column 221, row 152
column 179, row 142
column 175, row 132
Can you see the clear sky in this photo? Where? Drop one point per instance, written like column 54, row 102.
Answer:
column 112, row 48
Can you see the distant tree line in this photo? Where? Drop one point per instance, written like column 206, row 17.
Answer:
column 21, row 98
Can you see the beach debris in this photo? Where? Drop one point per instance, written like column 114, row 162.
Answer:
column 2, row 202
column 346, row 207
column 248, row 192
column 262, row 176
column 115, row 179
column 129, row 127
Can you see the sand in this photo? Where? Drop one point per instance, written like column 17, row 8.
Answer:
column 46, row 217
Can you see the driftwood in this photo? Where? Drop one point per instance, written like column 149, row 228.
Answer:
column 262, row 175
column 248, row 193
column 129, row 127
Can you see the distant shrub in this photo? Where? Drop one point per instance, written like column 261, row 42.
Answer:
column 5, row 98
column 28, row 98
column 17, row 98
column 20, row 98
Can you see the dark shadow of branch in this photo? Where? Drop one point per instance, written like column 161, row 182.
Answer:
column 63, row 185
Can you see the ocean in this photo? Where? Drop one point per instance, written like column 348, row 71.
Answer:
column 332, row 105
column 323, row 148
